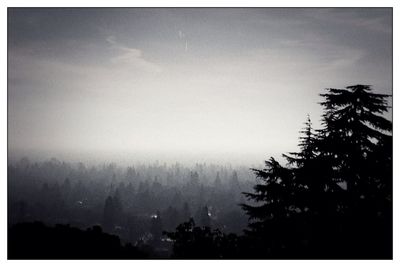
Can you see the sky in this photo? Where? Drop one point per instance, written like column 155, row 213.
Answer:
column 203, row 84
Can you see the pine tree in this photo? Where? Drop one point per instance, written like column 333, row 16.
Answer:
column 352, row 128
column 337, row 189
column 270, row 219
column 304, row 166
column 217, row 182
column 307, row 147
column 273, row 192
column 109, row 214
column 356, row 142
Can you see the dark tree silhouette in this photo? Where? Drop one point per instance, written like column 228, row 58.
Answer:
column 271, row 220
column 333, row 200
column 352, row 130
column 351, row 141
column 109, row 214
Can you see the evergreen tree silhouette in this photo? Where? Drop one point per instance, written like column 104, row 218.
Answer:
column 307, row 146
column 109, row 214
column 352, row 141
column 352, row 126
column 269, row 220
column 333, row 200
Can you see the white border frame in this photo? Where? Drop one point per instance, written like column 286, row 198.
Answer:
column 189, row 3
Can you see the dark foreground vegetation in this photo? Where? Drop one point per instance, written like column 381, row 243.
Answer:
column 332, row 200
column 38, row 241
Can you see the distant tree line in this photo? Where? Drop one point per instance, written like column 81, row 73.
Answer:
column 136, row 203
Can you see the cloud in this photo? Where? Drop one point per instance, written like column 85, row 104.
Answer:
column 130, row 57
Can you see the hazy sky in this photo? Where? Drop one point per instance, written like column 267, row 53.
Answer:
column 232, row 83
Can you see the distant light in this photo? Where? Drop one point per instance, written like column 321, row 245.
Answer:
column 342, row 185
